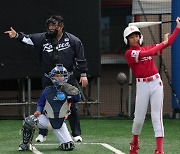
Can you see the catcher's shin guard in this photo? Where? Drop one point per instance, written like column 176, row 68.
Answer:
column 28, row 130
column 27, row 135
column 67, row 146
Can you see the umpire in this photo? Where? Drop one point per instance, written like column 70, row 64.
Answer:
column 58, row 47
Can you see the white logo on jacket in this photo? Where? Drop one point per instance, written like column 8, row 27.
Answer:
column 62, row 46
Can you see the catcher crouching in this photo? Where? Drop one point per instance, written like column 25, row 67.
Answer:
column 52, row 109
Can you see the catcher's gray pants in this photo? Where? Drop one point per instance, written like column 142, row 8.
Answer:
column 153, row 92
column 62, row 133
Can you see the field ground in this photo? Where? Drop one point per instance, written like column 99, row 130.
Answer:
column 114, row 133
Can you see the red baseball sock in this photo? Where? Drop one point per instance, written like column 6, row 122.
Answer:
column 135, row 138
column 159, row 144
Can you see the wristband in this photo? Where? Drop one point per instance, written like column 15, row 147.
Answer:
column 17, row 35
column 83, row 75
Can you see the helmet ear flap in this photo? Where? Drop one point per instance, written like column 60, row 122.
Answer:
column 141, row 39
column 125, row 41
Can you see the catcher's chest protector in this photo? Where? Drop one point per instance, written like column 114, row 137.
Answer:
column 56, row 109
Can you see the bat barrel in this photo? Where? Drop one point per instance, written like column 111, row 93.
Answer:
column 146, row 24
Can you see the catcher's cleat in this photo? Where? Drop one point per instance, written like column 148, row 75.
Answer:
column 77, row 139
column 23, row 147
column 134, row 147
column 69, row 146
column 40, row 138
column 158, row 152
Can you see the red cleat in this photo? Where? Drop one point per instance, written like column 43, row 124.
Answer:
column 134, row 147
column 158, row 152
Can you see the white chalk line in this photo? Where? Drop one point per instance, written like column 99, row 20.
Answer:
column 111, row 148
column 34, row 150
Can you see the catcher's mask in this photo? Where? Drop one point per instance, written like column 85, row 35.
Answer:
column 56, row 21
column 59, row 69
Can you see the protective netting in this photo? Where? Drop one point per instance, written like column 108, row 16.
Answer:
column 104, row 96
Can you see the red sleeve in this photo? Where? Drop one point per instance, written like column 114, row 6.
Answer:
column 172, row 37
column 151, row 52
column 154, row 51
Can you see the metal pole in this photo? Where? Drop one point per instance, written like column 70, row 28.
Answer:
column 29, row 95
column 130, row 93
column 130, row 87
column 121, row 101
column 98, row 96
column 23, row 97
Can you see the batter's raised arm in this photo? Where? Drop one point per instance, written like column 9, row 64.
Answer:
column 12, row 33
column 167, row 42
column 152, row 51
column 174, row 34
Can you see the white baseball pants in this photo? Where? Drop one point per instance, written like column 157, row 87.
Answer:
column 149, row 92
column 62, row 133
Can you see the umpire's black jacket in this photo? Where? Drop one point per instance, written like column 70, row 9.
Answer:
column 69, row 47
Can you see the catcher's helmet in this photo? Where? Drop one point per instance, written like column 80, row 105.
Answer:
column 59, row 69
column 129, row 30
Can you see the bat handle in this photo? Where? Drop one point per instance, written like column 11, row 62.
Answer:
column 163, row 22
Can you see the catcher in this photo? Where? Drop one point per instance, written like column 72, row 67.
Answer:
column 52, row 109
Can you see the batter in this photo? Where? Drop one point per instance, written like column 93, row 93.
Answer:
column 149, row 86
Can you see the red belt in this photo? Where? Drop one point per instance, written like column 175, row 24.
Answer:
column 148, row 79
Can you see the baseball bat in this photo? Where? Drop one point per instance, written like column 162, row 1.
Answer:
column 146, row 24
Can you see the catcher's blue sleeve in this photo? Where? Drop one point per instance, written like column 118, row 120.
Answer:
column 75, row 99
column 41, row 102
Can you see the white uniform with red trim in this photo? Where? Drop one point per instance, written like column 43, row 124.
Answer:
column 149, row 86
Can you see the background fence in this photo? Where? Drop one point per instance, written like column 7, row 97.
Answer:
column 104, row 96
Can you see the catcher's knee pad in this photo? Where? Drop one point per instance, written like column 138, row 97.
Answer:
column 28, row 129
column 67, row 146
column 30, row 122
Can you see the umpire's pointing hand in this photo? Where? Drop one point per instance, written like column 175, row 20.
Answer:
column 12, row 33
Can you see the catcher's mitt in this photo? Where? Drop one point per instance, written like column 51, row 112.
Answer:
column 69, row 89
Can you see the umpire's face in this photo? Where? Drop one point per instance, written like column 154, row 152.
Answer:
column 52, row 27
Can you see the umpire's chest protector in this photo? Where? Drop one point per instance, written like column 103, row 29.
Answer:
column 56, row 109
